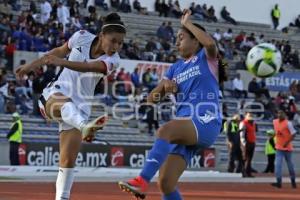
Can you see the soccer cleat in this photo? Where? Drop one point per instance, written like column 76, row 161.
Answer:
column 137, row 187
column 90, row 127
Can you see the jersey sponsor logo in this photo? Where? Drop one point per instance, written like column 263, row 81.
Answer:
column 194, row 59
column 188, row 74
column 117, row 156
column 207, row 117
column 79, row 49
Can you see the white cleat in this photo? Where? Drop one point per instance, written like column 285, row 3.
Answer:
column 88, row 130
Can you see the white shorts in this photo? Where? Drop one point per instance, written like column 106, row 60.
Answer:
column 47, row 92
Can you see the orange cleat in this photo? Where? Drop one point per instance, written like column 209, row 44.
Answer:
column 137, row 187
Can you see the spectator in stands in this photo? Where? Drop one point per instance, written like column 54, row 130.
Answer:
column 76, row 22
column 46, row 9
column 286, row 50
column 239, row 39
column 228, row 36
column 248, row 129
column 152, row 118
column 238, row 87
column 164, row 9
column 176, row 10
column 154, row 78
column 297, row 22
column 275, row 14
column 260, row 39
column 162, row 32
column 157, row 6
column 170, row 32
column 102, row 4
column 137, row 6
column 270, row 151
column 211, row 14
column 292, row 108
column 217, row 35
column 125, row 6
column 32, row 7
column 231, row 129
column 293, row 59
column 199, row 12
column 9, row 52
column 135, row 79
column 285, row 134
column 115, row 4
column 146, row 78
column 226, row 16
column 193, row 7
column 63, row 14
column 14, row 137
column 258, row 90
column 5, row 8
column 74, row 9
column 247, row 44
column 205, row 11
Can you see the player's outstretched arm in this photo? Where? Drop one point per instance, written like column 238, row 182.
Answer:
column 205, row 39
column 95, row 66
column 164, row 87
column 61, row 52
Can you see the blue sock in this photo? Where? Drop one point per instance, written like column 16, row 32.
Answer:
column 172, row 196
column 155, row 159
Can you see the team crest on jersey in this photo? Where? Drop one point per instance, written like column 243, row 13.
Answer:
column 195, row 58
column 79, row 49
column 82, row 32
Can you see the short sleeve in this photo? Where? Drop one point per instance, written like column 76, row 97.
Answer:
column 74, row 40
column 80, row 38
column 111, row 62
column 170, row 72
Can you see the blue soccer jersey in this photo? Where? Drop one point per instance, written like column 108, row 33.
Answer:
column 198, row 87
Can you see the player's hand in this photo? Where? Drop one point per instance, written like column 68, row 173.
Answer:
column 170, row 86
column 53, row 60
column 22, row 70
column 185, row 18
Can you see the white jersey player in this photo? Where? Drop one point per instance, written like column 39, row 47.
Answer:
column 78, row 86
column 67, row 97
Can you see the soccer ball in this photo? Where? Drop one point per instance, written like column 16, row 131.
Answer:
column 264, row 60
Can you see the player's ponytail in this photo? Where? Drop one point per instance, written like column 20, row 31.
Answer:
column 113, row 23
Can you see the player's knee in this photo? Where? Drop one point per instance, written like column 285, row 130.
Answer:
column 165, row 186
column 67, row 163
column 163, row 133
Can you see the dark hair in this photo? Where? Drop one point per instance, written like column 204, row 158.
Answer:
column 222, row 65
column 112, row 23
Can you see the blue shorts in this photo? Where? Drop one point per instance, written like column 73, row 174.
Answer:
column 207, row 134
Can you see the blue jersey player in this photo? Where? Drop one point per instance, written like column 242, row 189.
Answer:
column 194, row 81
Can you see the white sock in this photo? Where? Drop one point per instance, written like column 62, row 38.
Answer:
column 64, row 183
column 71, row 115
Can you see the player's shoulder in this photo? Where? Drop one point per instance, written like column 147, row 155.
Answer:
column 82, row 37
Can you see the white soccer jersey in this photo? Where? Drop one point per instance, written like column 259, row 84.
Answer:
column 80, row 86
